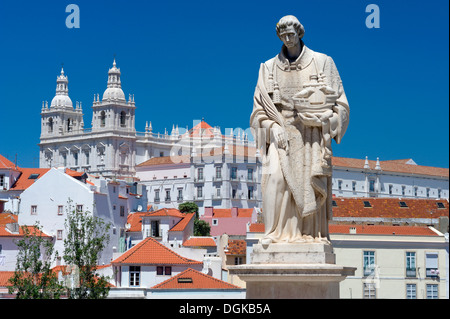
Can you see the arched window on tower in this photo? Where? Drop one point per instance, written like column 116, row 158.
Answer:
column 102, row 119
column 69, row 125
column 50, row 125
column 123, row 117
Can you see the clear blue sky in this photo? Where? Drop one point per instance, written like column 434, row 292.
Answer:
column 184, row 60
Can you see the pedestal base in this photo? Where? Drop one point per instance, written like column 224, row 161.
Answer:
column 292, row 271
column 292, row 281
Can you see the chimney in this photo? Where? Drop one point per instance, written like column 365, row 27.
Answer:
column 234, row 212
column 208, row 212
column 352, row 230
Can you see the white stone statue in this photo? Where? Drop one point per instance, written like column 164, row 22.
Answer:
column 299, row 106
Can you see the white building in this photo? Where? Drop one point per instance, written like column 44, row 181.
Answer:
column 152, row 270
column 396, row 178
column 224, row 177
column 392, row 262
column 111, row 146
column 47, row 201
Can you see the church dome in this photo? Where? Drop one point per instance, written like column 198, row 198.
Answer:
column 113, row 94
column 61, row 100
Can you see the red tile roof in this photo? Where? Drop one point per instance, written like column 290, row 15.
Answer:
column 226, row 212
column 173, row 212
column 202, row 129
column 32, row 229
column 150, row 252
column 398, row 166
column 6, row 163
column 193, row 279
column 135, row 221
column 166, row 160
column 4, row 277
column 389, row 207
column 200, row 242
column 257, row 228
column 182, row 224
column 74, row 173
column 236, row 247
column 23, row 182
column 6, row 218
column 383, row 230
column 369, row 229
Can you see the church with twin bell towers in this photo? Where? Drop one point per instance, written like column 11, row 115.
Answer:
column 108, row 148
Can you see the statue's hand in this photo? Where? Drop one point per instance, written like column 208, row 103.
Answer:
column 310, row 119
column 326, row 115
column 279, row 136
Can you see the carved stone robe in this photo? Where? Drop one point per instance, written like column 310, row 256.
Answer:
column 296, row 181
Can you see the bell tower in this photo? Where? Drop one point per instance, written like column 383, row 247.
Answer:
column 113, row 112
column 60, row 119
column 113, row 122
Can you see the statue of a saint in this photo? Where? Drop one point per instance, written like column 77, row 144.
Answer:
column 299, row 106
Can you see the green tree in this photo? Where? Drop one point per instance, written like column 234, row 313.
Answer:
column 87, row 236
column 33, row 277
column 201, row 228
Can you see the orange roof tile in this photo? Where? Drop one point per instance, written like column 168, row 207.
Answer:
column 23, row 182
column 245, row 212
column 166, row 160
column 193, row 279
column 182, row 224
column 200, row 242
column 150, row 252
column 74, row 173
column 257, row 228
column 32, row 229
column 166, row 212
column 399, row 166
column 383, row 230
column 389, row 207
column 6, row 163
column 4, row 277
column 236, row 247
column 135, row 221
column 6, row 218
column 201, row 129
column 226, row 212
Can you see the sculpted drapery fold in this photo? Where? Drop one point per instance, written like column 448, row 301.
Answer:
column 296, row 181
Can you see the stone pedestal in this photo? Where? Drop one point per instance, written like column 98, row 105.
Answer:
column 292, row 271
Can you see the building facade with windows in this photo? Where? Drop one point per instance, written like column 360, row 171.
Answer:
column 48, row 200
column 396, row 178
column 392, row 262
column 225, row 177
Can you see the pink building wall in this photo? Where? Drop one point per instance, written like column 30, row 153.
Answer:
column 231, row 221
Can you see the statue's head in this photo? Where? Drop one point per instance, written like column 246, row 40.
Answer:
column 290, row 30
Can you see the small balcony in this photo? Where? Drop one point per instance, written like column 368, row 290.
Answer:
column 432, row 272
column 411, row 272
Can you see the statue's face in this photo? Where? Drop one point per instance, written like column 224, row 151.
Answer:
column 289, row 37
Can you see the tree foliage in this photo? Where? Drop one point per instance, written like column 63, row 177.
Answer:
column 201, row 228
column 86, row 237
column 33, row 277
